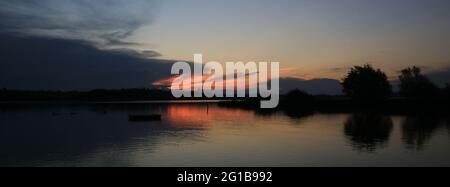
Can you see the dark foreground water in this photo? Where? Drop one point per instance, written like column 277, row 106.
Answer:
column 208, row 135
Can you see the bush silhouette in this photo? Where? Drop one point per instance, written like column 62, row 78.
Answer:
column 366, row 83
column 414, row 84
column 297, row 104
column 298, row 99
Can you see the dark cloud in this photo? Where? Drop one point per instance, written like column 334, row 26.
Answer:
column 150, row 54
column 38, row 63
column 117, row 38
column 108, row 21
column 53, row 45
column 138, row 54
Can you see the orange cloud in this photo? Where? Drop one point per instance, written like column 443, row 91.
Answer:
column 167, row 83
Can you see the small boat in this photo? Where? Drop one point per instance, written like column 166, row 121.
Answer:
column 151, row 117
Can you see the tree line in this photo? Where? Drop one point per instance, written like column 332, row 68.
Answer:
column 367, row 83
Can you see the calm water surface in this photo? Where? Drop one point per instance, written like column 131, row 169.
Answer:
column 208, row 135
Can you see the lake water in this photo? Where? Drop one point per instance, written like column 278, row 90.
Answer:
column 208, row 135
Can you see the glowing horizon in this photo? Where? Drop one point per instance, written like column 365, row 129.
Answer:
column 313, row 39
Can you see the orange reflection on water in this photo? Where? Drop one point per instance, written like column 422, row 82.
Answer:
column 202, row 116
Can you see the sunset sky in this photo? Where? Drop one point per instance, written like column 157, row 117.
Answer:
column 310, row 38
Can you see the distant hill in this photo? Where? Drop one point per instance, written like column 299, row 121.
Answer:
column 314, row 86
column 440, row 77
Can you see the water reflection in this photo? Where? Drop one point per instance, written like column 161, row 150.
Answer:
column 62, row 135
column 447, row 124
column 417, row 131
column 209, row 135
column 367, row 132
column 199, row 116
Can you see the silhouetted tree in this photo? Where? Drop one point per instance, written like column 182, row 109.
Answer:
column 366, row 83
column 414, row 84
